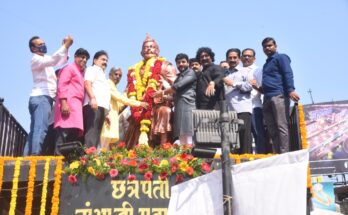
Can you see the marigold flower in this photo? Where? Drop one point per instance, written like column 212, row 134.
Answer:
column 183, row 166
column 132, row 163
column 118, row 156
column 190, row 170
column 132, row 154
column 103, row 150
column 166, row 146
column 91, row 170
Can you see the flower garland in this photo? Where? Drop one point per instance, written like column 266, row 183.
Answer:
column 14, row 190
column 32, row 174
column 31, row 183
column 303, row 130
column 1, row 171
column 142, row 89
column 303, row 133
column 44, row 187
column 56, row 187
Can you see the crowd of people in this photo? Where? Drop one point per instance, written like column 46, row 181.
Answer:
column 83, row 105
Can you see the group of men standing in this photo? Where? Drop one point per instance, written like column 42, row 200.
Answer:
column 87, row 105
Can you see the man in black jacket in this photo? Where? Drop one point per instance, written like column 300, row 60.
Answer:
column 210, row 88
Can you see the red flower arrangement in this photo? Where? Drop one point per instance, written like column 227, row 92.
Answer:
column 138, row 112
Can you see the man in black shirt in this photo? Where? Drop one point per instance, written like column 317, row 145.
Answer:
column 210, row 88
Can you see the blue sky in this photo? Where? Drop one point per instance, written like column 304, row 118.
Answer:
column 313, row 33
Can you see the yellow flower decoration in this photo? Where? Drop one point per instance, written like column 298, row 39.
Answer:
column 97, row 161
column 91, row 170
column 74, row 165
column 183, row 166
column 164, row 163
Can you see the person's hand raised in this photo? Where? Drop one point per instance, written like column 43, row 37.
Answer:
column 68, row 41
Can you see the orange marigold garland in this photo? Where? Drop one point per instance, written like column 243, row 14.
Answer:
column 56, row 187
column 142, row 89
column 44, row 187
column 2, row 162
column 303, row 132
column 14, row 190
column 31, row 183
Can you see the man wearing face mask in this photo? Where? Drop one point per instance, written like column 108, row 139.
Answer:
column 43, row 91
column 97, row 99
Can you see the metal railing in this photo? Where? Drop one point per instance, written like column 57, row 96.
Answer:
column 294, row 129
column 12, row 134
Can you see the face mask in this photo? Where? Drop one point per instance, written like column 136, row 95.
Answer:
column 42, row 48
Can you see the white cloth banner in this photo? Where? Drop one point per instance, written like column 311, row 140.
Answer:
column 269, row 186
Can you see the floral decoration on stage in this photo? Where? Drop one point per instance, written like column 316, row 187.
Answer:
column 142, row 161
column 141, row 88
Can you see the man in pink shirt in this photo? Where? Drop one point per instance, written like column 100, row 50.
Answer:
column 68, row 119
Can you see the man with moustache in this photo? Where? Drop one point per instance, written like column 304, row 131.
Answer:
column 209, row 84
column 278, row 87
column 237, row 93
column 44, row 90
column 151, row 74
column 68, row 118
column 184, row 89
column 97, row 99
column 195, row 65
column 257, row 125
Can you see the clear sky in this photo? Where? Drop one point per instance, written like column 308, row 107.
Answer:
column 313, row 33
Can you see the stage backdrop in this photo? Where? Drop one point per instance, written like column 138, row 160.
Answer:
column 327, row 136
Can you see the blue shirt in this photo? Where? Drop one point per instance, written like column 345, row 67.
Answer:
column 277, row 77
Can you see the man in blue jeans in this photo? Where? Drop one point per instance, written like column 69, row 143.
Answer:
column 43, row 91
column 278, row 87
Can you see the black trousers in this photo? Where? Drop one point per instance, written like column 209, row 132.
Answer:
column 93, row 123
column 245, row 133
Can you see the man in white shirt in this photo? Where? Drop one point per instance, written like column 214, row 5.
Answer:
column 257, row 125
column 238, row 98
column 97, row 99
column 43, row 91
